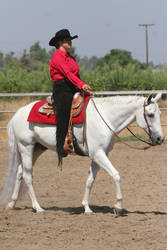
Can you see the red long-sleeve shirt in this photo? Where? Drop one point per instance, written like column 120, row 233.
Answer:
column 63, row 65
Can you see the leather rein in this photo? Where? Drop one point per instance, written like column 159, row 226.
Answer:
column 118, row 137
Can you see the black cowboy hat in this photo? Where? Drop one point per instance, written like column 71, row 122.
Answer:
column 60, row 35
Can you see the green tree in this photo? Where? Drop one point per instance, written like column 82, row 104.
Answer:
column 38, row 53
column 1, row 60
column 25, row 60
column 89, row 63
column 10, row 58
column 118, row 56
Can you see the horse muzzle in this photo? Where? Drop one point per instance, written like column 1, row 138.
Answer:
column 157, row 140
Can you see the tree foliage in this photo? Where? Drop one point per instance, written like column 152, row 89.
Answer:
column 39, row 54
column 118, row 56
column 117, row 70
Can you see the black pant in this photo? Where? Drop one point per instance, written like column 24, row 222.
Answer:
column 63, row 92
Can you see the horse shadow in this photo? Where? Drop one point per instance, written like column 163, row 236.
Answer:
column 80, row 210
column 103, row 210
column 95, row 209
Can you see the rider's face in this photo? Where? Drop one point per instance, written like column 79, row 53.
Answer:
column 66, row 44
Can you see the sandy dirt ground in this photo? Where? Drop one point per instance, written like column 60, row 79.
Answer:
column 64, row 226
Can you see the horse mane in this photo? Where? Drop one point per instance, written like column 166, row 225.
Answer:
column 119, row 99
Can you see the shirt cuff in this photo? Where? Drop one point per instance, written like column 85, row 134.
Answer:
column 81, row 84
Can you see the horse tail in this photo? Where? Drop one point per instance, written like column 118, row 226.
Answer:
column 14, row 161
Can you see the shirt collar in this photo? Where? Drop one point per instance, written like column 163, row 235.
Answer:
column 63, row 53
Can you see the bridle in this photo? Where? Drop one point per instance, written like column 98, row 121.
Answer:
column 148, row 127
column 118, row 137
column 145, row 117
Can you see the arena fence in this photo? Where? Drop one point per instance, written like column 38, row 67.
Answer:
column 100, row 93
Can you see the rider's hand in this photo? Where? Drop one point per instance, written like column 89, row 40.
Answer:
column 87, row 89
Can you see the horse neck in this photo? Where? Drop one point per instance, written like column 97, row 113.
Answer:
column 119, row 112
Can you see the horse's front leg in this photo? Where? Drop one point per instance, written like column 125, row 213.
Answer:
column 91, row 177
column 102, row 160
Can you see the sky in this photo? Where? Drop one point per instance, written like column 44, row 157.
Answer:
column 100, row 25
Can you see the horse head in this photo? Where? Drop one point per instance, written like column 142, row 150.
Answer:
column 148, row 118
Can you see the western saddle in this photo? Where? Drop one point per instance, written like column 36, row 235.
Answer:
column 77, row 104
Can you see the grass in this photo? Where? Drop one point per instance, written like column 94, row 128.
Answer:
column 132, row 138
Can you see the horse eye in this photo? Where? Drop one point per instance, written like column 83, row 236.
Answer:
column 151, row 115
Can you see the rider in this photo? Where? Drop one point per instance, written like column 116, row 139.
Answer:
column 64, row 72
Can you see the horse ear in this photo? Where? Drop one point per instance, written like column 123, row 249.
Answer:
column 157, row 97
column 149, row 99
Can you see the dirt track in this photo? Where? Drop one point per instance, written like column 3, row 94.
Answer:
column 64, row 226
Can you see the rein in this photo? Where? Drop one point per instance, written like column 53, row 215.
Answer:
column 149, row 130
column 84, row 123
column 140, row 148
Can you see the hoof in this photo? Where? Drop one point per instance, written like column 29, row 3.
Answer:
column 42, row 211
column 120, row 211
column 88, row 213
column 7, row 207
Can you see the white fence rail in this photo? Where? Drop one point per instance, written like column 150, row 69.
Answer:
column 100, row 93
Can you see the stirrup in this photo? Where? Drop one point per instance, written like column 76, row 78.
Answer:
column 68, row 145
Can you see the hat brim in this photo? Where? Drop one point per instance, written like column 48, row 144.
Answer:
column 54, row 39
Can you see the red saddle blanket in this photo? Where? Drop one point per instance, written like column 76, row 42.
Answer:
column 36, row 116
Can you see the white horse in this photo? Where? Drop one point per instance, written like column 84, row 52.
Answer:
column 28, row 140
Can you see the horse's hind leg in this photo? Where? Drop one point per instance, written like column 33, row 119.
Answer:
column 15, row 194
column 91, row 177
column 38, row 150
column 27, row 161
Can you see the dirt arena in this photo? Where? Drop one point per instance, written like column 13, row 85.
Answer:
column 64, row 226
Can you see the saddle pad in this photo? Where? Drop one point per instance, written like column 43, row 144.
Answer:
column 36, row 116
